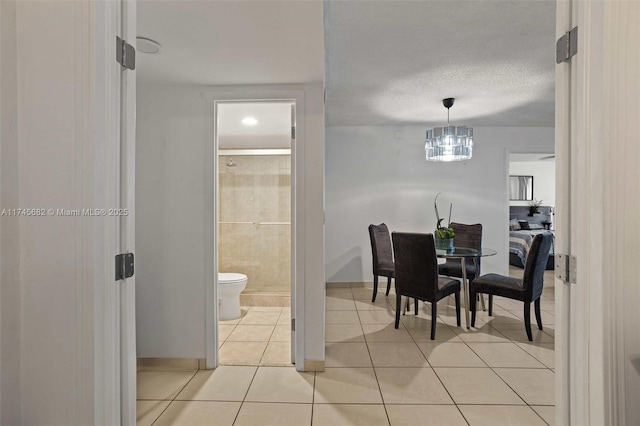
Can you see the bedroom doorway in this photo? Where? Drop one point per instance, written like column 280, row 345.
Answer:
column 531, row 193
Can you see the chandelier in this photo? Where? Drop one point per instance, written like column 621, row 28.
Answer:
column 449, row 143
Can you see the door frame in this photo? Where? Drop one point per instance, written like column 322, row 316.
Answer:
column 113, row 333
column 256, row 94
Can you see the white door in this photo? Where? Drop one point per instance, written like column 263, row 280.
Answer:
column 293, row 232
column 598, row 206
column 126, row 215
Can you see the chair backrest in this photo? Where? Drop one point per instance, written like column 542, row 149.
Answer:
column 536, row 264
column 467, row 236
column 416, row 270
column 381, row 249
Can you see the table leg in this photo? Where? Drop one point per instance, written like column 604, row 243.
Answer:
column 475, row 264
column 465, row 288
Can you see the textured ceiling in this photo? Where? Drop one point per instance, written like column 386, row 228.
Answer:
column 231, row 42
column 392, row 62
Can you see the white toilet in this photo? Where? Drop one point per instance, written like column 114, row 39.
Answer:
column 230, row 285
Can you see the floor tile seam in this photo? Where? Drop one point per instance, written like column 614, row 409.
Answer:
column 245, row 394
column 272, row 402
column 313, row 395
column 174, row 398
column 508, row 385
column 353, row 403
column 372, row 366
column 446, row 389
column 414, row 341
column 500, row 404
column 163, row 411
column 536, row 359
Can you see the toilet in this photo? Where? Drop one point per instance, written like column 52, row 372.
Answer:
column 230, row 285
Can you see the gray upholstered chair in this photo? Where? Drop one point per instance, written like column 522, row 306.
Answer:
column 417, row 274
column 382, row 254
column 465, row 236
column 528, row 289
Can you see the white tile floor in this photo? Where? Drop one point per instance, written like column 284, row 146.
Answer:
column 375, row 374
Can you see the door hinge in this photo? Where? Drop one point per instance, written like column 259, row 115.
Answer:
column 125, row 54
column 124, row 266
column 293, row 132
column 566, row 268
column 293, row 324
column 567, row 46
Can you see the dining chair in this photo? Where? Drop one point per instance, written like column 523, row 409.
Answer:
column 417, row 274
column 465, row 236
column 382, row 254
column 527, row 289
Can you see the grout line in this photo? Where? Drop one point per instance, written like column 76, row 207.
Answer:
column 174, row 398
column 313, row 396
column 245, row 395
column 375, row 374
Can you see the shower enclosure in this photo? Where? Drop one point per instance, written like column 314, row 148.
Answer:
column 255, row 221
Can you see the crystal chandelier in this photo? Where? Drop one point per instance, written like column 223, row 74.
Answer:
column 449, row 143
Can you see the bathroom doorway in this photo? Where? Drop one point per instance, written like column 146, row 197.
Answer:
column 255, row 201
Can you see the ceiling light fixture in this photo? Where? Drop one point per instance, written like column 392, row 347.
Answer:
column 249, row 121
column 147, row 45
column 449, row 143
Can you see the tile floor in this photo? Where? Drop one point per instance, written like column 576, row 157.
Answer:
column 262, row 336
column 375, row 374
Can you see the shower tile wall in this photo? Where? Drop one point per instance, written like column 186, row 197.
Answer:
column 255, row 221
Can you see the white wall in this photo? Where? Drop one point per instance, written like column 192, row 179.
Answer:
column 544, row 180
column 175, row 125
column 374, row 177
column 9, row 226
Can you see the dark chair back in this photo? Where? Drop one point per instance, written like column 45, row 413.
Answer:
column 416, row 265
column 381, row 249
column 536, row 265
column 467, row 236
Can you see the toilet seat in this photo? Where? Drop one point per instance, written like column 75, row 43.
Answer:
column 227, row 278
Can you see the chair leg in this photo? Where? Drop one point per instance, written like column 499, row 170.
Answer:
column 434, row 314
column 388, row 285
column 457, row 294
column 536, row 305
column 527, row 320
column 416, row 306
column 472, row 307
column 398, row 307
column 406, row 306
column 375, row 288
column 491, row 305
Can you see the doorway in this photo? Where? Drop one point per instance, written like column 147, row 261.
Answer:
column 254, row 252
column 531, row 203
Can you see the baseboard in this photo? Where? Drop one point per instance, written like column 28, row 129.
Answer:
column 312, row 365
column 170, row 364
column 358, row 284
column 265, row 299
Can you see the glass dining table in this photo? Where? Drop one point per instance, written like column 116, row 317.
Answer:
column 464, row 254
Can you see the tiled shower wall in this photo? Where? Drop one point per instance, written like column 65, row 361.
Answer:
column 255, row 220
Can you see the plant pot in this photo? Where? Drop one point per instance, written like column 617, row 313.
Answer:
column 444, row 244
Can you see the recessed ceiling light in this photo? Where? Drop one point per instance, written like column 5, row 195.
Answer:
column 249, row 121
column 147, row 45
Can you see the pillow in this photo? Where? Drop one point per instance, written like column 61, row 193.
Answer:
column 514, row 225
column 534, row 226
column 524, row 225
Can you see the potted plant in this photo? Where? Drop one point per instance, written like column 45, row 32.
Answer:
column 443, row 234
column 534, row 207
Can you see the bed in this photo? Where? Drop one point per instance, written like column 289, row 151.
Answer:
column 520, row 239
